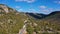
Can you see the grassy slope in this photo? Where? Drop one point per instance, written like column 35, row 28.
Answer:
column 11, row 23
column 17, row 21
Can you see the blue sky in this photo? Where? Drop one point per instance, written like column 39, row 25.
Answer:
column 35, row 6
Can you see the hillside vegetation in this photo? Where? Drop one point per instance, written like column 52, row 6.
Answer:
column 11, row 21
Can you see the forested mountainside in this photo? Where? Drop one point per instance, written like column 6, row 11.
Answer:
column 11, row 21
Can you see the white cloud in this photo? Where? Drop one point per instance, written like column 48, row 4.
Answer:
column 51, row 9
column 48, row 10
column 31, row 10
column 20, row 9
column 45, row 9
column 42, row 7
column 28, row 1
column 19, row 0
column 17, row 7
column 58, row 2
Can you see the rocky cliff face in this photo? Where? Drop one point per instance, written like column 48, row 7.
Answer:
column 4, row 8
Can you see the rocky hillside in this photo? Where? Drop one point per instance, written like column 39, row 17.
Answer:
column 11, row 21
column 49, row 24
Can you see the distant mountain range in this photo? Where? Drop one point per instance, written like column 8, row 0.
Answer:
column 11, row 21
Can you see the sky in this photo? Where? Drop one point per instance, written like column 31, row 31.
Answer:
column 34, row 6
